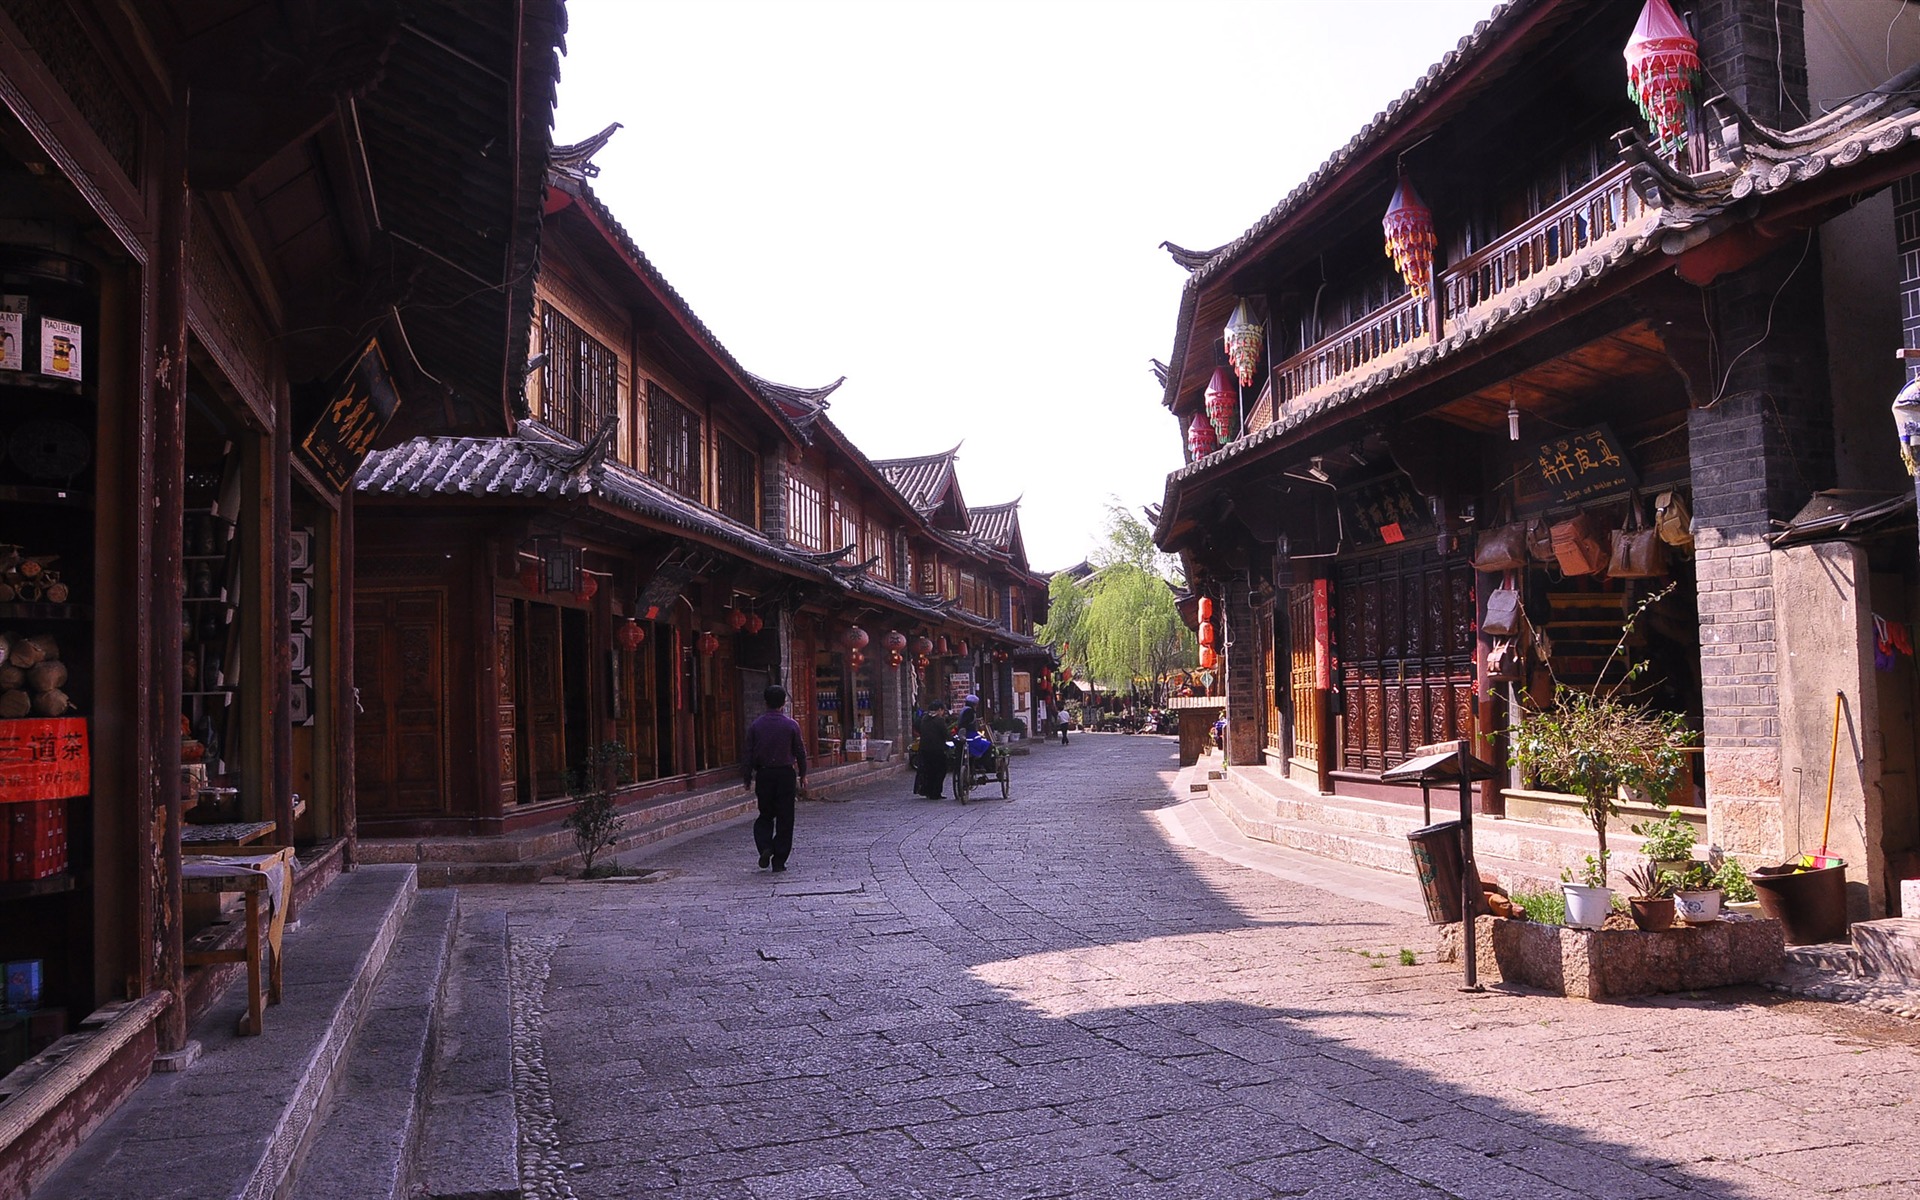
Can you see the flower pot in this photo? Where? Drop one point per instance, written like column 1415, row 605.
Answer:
column 1651, row 913
column 1812, row 905
column 1587, row 907
column 1698, row 907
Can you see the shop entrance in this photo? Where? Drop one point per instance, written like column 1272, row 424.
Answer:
column 1406, row 647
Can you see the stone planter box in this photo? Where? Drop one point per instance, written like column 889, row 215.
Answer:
column 1605, row 964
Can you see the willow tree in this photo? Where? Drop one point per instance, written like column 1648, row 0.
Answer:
column 1132, row 630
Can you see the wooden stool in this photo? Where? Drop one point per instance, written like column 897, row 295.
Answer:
column 244, row 872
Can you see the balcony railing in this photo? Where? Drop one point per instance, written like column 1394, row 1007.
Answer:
column 1466, row 292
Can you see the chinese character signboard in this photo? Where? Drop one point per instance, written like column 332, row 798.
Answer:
column 1581, row 466
column 44, row 759
column 1322, row 636
column 1385, row 511
column 355, row 414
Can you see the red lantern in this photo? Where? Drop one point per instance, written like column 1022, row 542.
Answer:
column 895, row 658
column 1207, row 658
column 856, row 658
column 706, row 643
column 856, row 638
column 1206, row 633
column 736, row 618
column 1663, row 69
column 921, row 661
column 1243, row 338
column 586, row 588
column 894, row 641
column 940, row 647
column 1001, row 656
column 1066, row 674
column 754, row 623
column 1410, row 238
column 965, row 650
column 922, row 646
column 1206, row 608
column 1201, row 439
column 630, row 635
column 1221, row 402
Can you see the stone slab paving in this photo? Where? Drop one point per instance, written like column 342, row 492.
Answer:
column 1089, row 990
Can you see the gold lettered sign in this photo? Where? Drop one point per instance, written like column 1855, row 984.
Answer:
column 357, row 411
column 1580, row 466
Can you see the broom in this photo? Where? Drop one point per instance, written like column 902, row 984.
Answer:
column 1814, row 862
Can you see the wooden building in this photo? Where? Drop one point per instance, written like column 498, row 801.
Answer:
column 1608, row 332
column 222, row 272
column 647, row 540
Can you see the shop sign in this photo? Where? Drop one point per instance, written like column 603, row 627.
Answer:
column 338, row 441
column 1581, row 466
column 1322, row 637
column 1384, row 511
column 44, row 759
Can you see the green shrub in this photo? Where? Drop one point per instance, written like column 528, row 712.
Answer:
column 595, row 821
column 1669, row 839
column 1548, row 908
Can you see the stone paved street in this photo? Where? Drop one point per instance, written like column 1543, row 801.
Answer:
column 1057, row 996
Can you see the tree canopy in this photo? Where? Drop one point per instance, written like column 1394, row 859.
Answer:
column 1119, row 625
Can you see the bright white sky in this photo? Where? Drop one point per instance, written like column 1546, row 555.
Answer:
column 957, row 204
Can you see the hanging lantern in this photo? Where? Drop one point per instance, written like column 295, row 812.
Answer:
column 1206, row 633
column 856, row 659
column 754, row 623
column 895, row 658
column 1663, row 71
column 1201, row 439
column 1222, row 399
column 1206, row 608
column 1206, row 658
column 895, row 641
column 1001, row 656
column 1410, row 239
column 630, row 635
column 855, row 638
column 531, row 577
column 1066, row 674
column 965, row 650
column 586, row 588
column 922, row 646
column 736, row 618
column 921, row 661
column 940, row 647
column 1243, row 338
column 707, row 643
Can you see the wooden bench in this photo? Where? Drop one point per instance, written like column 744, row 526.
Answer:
column 245, row 872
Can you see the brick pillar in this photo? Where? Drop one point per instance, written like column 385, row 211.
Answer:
column 773, row 496
column 1743, row 46
column 895, row 704
column 1906, row 235
column 1758, row 452
column 1243, row 674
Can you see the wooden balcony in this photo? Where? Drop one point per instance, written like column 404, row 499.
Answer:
column 1590, row 220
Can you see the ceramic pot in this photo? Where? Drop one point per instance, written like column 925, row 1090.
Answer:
column 1651, row 913
column 1698, row 907
column 1587, row 907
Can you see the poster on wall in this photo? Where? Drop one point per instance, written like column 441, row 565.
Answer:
column 44, row 759
column 60, row 349
column 12, row 354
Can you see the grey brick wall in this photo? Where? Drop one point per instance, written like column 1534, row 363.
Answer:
column 1906, row 233
column 773, row 494
column 1742, row 43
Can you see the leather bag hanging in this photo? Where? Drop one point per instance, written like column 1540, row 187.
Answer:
column 1503, row 611
column 1580, row 545
column 1503, row 548
column 1637, row 552
column 1673, row 519
column 1540, row 540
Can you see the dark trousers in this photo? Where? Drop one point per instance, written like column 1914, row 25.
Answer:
column 775, row 787
column 933, row 770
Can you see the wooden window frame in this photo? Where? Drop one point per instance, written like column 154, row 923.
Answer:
column 806, row 511
column 580, row 379
column 736, row 480
column 674, row 443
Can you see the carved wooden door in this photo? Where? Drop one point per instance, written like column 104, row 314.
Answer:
column 1271, row 682
column 543, row 704
column 506, row 714
column 1300, row 671
column 400, row 670
column 1406, row 645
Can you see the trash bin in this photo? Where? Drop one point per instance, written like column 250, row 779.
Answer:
column 1812, row 905
column 1436, row 862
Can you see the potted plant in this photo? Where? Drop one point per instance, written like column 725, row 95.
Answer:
column 1595, row 743
column 1668, row 842
column 1589, row 899
column 1731, row 878
column 1651, row 895
column 1697, row 899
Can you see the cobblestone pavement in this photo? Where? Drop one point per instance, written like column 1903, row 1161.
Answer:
column 1053, row 996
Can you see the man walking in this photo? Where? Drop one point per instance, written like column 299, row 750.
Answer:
column 776, row 765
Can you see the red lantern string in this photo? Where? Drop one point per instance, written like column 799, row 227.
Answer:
column 895, row 658
column 1243, row 338
column 1201, row 439
column 856, row 658
column 1410, row 238
column 894, row 641
column 1207, row 658
column 1206, row 633
column 630, row 635
column 856, row 638
column 1663, row 69
column 922, row 646
column 1206, row 608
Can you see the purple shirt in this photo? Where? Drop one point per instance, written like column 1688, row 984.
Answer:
column 773, row 740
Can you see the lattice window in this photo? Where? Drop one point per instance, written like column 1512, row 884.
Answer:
column 673, row 443
column 579, row 382
column 875, row 544
column 736, row 479
column 806, row 518
column 844, row 527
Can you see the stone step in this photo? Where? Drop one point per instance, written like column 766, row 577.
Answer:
column 231, row 1124
column 1834, row 957
column 470, row 1144
column 363, row 1144
column 1889, row 949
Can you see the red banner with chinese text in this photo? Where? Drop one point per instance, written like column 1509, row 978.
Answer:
column 1322, row 637
column 44, row 759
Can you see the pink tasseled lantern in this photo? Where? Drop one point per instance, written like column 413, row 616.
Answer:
column 1201, row 440
column 1221, row 401
column 1663, row 69
column 1410, row 238
column 1243, row 339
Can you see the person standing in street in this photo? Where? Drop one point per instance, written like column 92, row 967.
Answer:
column 776, row 763
column 934, row 733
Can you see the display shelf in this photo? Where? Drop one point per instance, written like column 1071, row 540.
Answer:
column 48, row 886
column 58, row 497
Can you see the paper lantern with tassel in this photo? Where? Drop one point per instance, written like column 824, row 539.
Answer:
column 736, row 618
column 1222, row 400
column 1410, row 239
column 630, row 635
column 707, row 643
column 922, row 646
column 940, row 646
column 895, row 641
column 587, row 587
column 754, row 623
column 856, row 638
column 1663, row 71
column 1206, row 658
column 1201, row 439
column 921, row 661
column 1243, row 338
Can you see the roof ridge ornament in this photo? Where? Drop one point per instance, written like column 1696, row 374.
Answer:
column 576, row 161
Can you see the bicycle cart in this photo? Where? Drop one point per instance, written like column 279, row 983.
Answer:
column 961, row 768
column 1001, row 758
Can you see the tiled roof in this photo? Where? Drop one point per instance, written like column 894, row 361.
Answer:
column 802, row 405
column 1192, row 260
column 995, row 524
column 923, row 481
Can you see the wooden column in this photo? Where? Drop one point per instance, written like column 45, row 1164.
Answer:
column 279, row 622
column 346, row 697
column 160, row 789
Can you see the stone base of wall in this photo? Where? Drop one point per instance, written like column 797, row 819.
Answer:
column 1605, row 964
